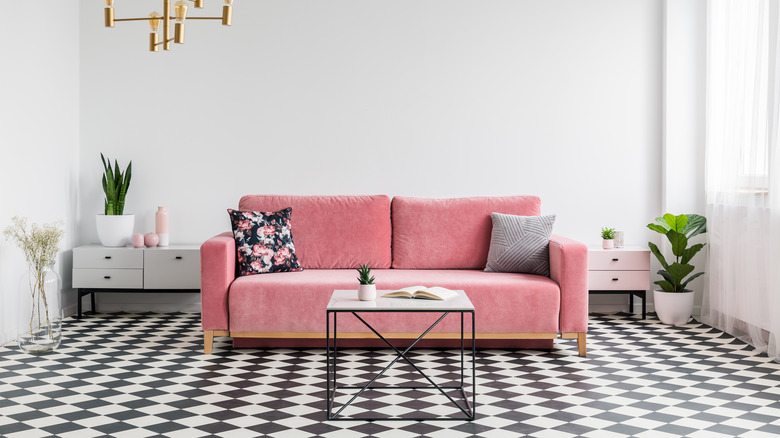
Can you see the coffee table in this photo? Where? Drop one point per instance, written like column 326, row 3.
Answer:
column 346, row 301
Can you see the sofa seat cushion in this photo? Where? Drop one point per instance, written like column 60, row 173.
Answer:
column 449, row 233
column 296, row 301
column 334, row 232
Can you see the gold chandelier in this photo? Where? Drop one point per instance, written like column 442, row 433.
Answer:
column 180, row 15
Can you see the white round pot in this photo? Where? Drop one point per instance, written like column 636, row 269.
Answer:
column 608, row 243
column 367, row 292
column 673, row 308
column 115, row 230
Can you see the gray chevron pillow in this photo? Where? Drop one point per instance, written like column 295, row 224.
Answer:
column 520, row 244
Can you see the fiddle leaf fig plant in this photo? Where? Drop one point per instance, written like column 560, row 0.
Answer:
column 678, row 230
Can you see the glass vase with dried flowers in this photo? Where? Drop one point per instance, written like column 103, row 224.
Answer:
column 40, row 318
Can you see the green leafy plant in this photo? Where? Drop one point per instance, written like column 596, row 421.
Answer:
column 607, row 233
column 365, row 275
column 115, row 185
column 678, row 230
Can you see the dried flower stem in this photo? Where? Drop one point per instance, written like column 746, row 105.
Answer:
column 39, row 245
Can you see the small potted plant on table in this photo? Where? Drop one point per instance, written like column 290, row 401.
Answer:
column 673, row 302
column 367, row 288
column 608, row 234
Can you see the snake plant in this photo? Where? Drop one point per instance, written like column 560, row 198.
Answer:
column 365, row 275
column 115, row 185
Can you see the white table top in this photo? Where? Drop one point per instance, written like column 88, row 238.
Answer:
column 347, row 300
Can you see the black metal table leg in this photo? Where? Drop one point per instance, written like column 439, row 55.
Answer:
column 468, row 411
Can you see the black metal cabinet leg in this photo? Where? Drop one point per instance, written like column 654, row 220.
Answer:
column 92, row 295
column 78, row 294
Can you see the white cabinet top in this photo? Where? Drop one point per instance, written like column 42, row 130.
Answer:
column 156, row 248
column 594, row 248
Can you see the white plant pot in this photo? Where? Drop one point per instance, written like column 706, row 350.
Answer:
column 608, row 243
column 115, row 230
column 367, row 292
column 673, row 308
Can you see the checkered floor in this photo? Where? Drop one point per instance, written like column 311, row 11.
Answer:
column 140, row 375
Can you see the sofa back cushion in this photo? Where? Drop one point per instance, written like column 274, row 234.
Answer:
column 449, row 233
column 334, row 232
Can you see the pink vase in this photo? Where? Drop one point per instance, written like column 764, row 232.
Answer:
column 151, row 240
column 161, row 225
column 138, row 240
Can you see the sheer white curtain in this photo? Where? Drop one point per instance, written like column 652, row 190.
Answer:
column 742, row 171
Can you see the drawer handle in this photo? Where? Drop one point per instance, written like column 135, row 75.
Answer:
column 178, row 257
column 614, row 279
column 107, row 277
column 614, row 260
column 108, row 257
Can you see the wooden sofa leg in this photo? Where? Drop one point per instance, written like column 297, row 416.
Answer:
column 208, row 341
column 581, row 343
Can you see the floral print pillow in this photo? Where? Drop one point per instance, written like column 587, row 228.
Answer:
column 264, row 241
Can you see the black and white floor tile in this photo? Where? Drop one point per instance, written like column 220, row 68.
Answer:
column 139, row 375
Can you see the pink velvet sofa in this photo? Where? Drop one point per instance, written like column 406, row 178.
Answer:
column 409, row 241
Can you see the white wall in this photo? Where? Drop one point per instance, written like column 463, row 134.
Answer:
column 561, row 99
column 38, row 134
column 683, row 118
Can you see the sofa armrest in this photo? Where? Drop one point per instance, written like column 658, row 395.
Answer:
column 569, row 268
column 217, row 272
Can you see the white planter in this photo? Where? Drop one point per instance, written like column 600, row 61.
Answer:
column 608, row 243
column 367, row 292
column 673, row 308
column 115, row 230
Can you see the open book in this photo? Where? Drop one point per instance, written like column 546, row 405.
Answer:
column 428, row 293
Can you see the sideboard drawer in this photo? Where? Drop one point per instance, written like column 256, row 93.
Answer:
column 618, row 280
column 172, row 269
column 108, row 278
column 103, row 257
column 617, row 260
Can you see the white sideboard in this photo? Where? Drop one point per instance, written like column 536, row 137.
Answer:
column 98, row 268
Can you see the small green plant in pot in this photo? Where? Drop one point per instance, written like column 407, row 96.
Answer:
column 674, row 302
column 608, row 236
column 115, row 228
column 366, row 288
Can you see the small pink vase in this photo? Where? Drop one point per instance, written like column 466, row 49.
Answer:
column 138, row 240
column 151, row 240
column 161, row 225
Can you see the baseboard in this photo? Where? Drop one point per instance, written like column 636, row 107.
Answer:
column 70, row 310
column 148, row 307
column 623, row 308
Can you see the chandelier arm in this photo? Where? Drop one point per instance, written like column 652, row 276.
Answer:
column 135, row 19
column 166, row 20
